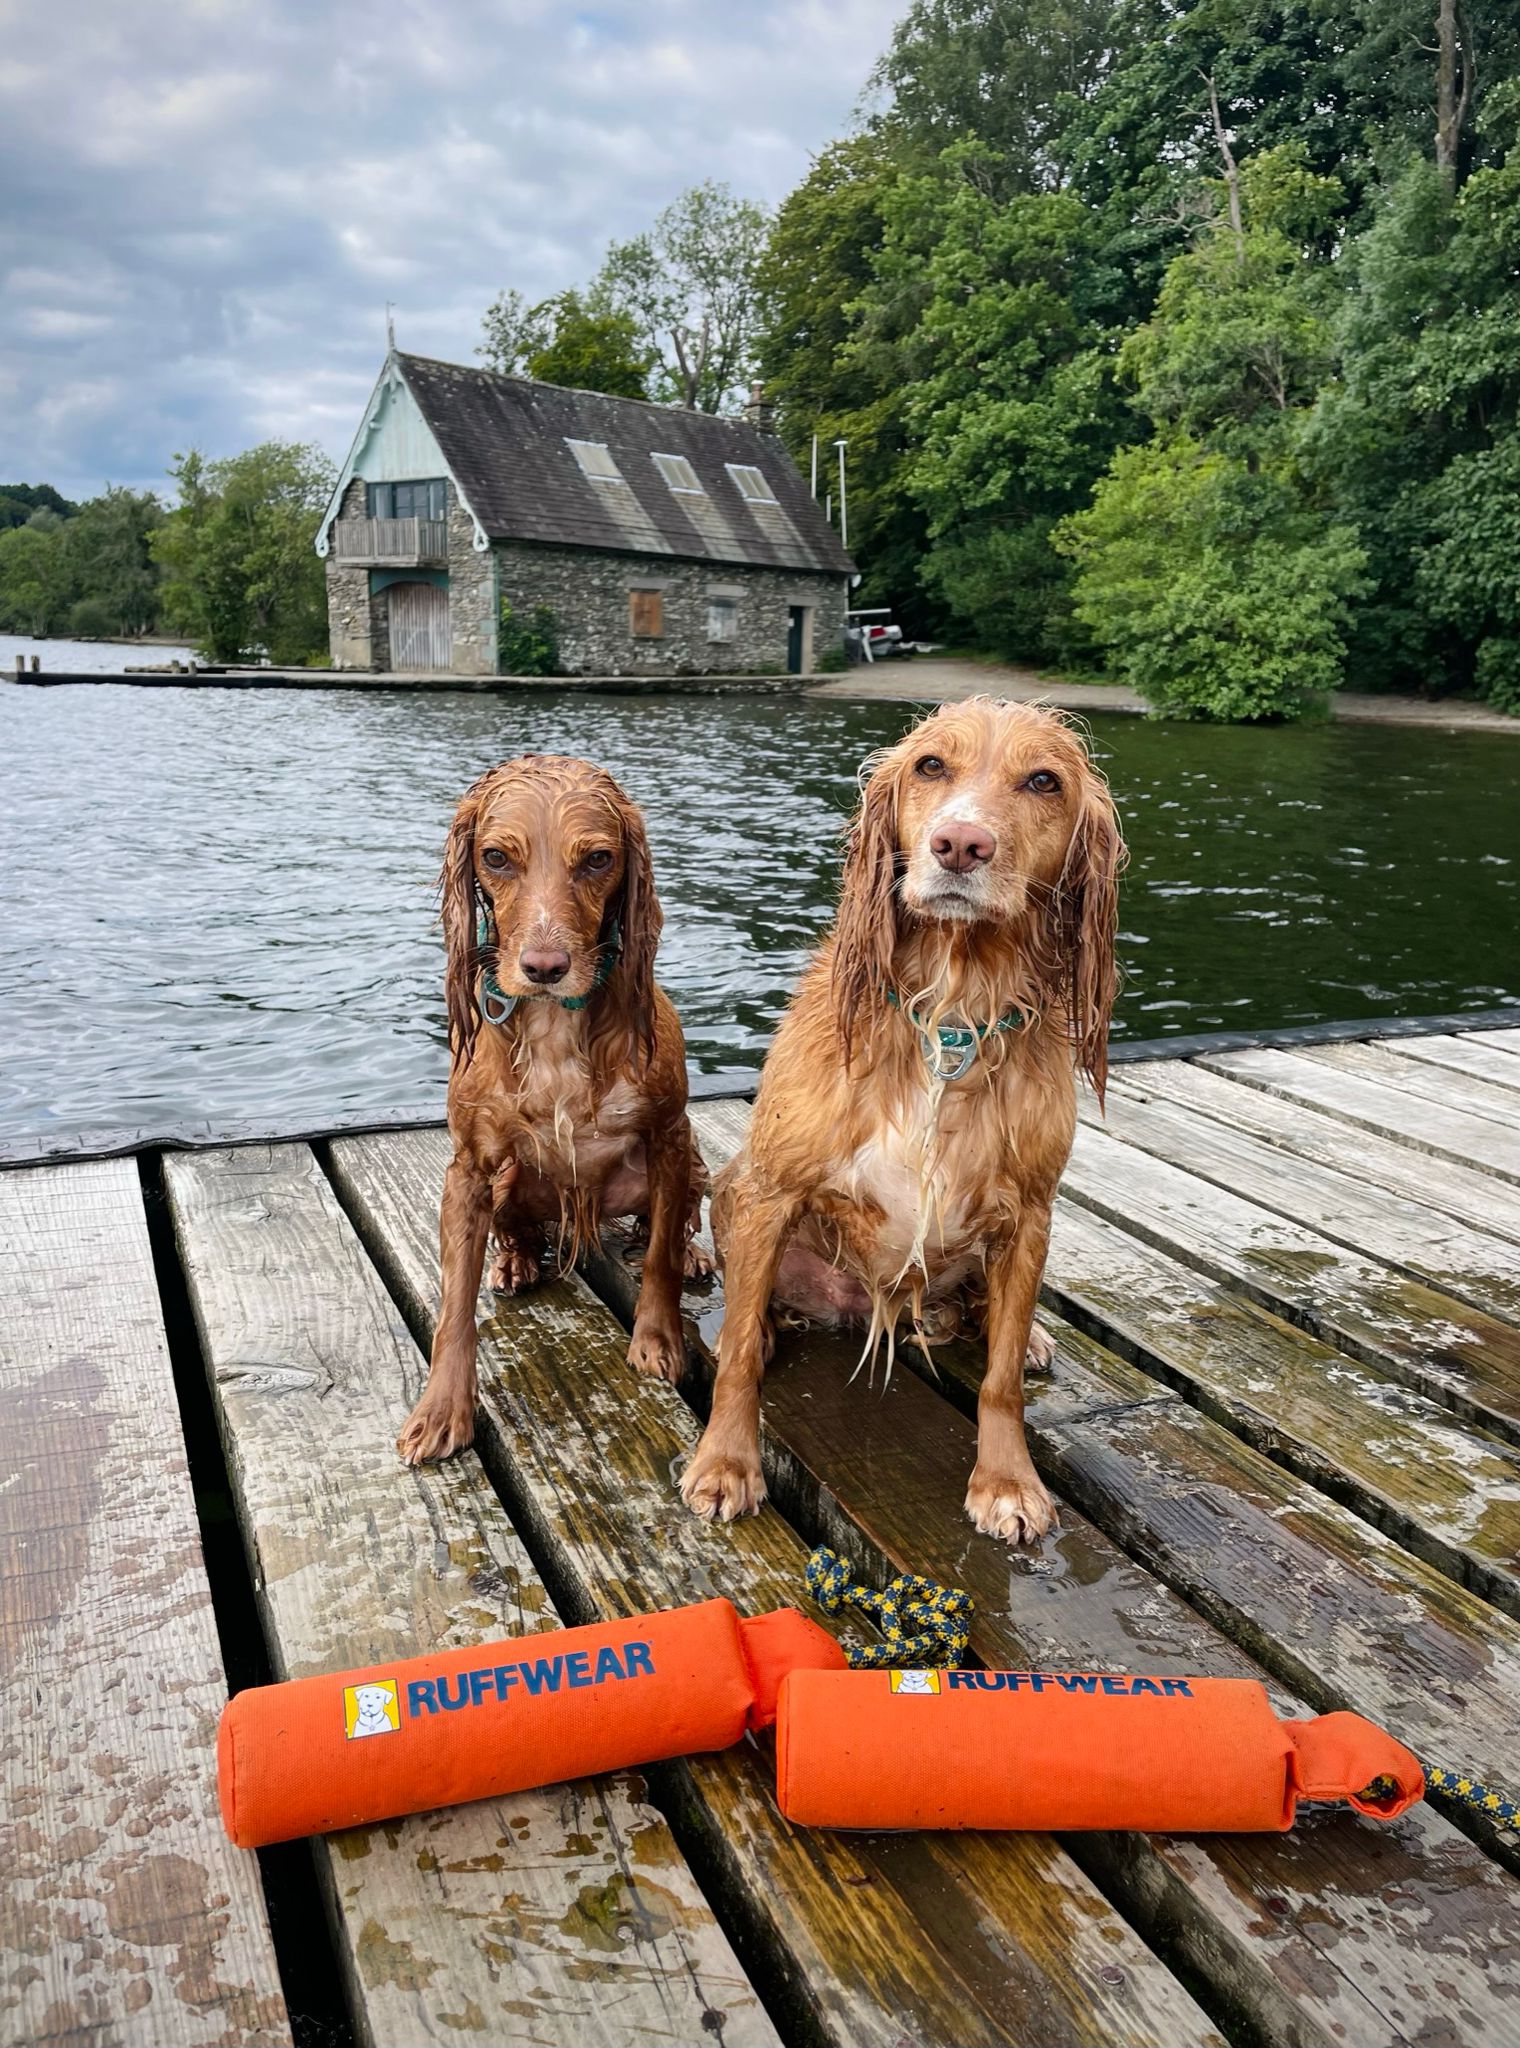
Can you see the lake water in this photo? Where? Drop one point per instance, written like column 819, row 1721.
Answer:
column 219, row 903
column 87, row 657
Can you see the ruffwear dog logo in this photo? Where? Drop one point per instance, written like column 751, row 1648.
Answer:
column 915, row 1681
column 371, row 1709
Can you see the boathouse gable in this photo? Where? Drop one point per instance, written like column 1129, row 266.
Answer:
column 661, row 540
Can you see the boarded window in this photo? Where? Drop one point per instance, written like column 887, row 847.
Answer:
column 595, row 459
column 722, row 618
column 679, row 474
column 751, row 481
column 646, row 614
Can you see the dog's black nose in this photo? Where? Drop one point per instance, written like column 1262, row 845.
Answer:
column 543, row 966
column 961, row 847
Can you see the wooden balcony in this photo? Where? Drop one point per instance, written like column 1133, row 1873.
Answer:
column 391, row 543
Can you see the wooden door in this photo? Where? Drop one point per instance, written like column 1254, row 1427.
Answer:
column 420, row 626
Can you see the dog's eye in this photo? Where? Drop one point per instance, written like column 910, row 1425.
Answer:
column 929, row 767
column 1043, row 783
column 493, row 857
column 597, row 863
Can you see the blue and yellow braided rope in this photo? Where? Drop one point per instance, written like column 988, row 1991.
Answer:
column 926, row 1626
column 1494, row 1806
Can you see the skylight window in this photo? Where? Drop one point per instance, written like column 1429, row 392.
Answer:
column 679, row 474
column 752, row 485
column 595, row 459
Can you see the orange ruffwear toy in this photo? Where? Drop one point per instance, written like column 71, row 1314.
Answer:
column 321, row 1753
column 1067, row 1751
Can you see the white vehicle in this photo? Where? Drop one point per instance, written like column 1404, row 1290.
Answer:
column 874, row 636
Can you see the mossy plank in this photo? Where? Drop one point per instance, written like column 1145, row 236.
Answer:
column 873, row 1940
column 1465, row 1192
column 1431, row 1341
column 564, row 1915
column 1423, row 1242
column 125, row 1913
column 1446, row 1490
column 1373, row 1105
column 1342, row 1931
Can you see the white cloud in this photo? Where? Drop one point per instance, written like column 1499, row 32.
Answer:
column 208, row 202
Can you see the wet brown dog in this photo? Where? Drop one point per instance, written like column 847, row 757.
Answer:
column 567, row 1098
column 919, row 1102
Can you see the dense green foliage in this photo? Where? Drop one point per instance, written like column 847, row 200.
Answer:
column 240, row 568
column 574, row 338
column 83, row 569
column 526, row 646
column 1166, row 337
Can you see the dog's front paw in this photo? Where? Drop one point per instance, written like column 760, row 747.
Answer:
column 698, row 1263
column 1015, row 1509
column 440, row 1424
column 658, row 1354
column 720, row 1487
column 516, row 1265
column 1040, row 1352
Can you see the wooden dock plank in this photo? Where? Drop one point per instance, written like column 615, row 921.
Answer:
column 566, row 1915
column 1338, row 1932
column 125, row 1913
column 1447, row 1491
column 1450, row 1088
column 1429, row 1340
column 1373, row 1105
column 1462, row 1191
column 1425, row 1243
column 1504, row 1039
column 881, row 1939
column 1466, row 1053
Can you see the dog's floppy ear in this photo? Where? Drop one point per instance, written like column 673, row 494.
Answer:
column 640, row 918
column 456, row 895
column 1089, row 928
column 866, row 931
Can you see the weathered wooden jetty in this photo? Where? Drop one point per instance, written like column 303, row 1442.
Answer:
column 1283, row 1424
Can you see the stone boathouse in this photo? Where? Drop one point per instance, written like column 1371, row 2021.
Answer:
column 662, row 541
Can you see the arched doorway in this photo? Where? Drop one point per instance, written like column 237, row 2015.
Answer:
column 419, row 621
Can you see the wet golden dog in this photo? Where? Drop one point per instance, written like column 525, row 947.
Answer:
column 919, row 1102
column 567, row 1099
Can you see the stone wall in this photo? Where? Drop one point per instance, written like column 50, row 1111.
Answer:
column 588, row 593
column 349, row 624
column 472, row 595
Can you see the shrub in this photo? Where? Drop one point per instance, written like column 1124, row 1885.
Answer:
column 1497, row 674
column 1211, row 587
column 93, row 619
column 833, row 660
column 527, row 647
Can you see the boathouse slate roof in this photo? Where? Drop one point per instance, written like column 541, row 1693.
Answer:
column 505, row 441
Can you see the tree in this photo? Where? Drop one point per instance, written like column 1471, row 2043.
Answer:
column 512, row 331
column 690, row 287
column 110, row 552
column 239, row 551
column 19, row 501
column 1210, row 587
column 1006, row 73
column 575, row 339
column 35, row 576
column 1007, row 400
column 827, row 378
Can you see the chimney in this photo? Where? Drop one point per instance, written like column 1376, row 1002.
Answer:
column 760, row 413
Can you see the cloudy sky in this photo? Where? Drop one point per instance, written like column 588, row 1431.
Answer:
column 205, row 204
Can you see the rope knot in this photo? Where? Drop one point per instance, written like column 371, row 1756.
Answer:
column 926, row 1626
